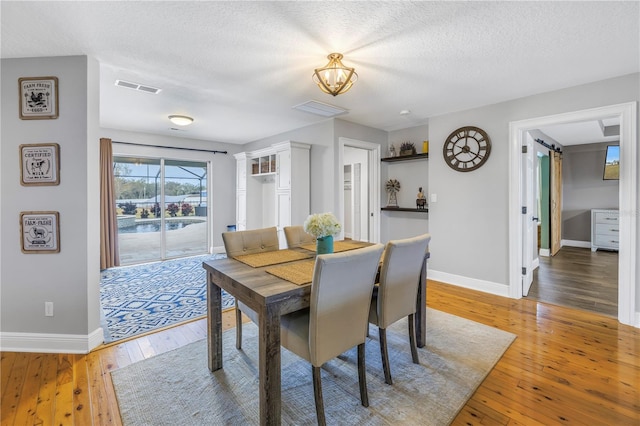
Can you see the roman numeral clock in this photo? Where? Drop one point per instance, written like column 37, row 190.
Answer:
column 466, row 149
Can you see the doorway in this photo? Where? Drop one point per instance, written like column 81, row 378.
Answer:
column 627, row 200
column 358, row 194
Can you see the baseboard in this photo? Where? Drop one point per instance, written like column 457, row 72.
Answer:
column 470, row 283
column 51, row 343
column 544, row 252
column 535, row 264
column 575, row 243
column 218, row 249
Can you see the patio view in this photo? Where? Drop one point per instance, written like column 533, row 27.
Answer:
column 162, row 208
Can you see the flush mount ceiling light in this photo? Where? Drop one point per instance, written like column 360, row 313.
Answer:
column 180, row 120
column 334, row 78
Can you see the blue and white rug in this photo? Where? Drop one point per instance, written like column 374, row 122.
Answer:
column 141, row 298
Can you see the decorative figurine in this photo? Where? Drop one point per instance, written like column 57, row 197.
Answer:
column 393, row 186
column 392, row 151
column 421, row 200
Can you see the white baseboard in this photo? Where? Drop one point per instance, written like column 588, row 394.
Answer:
column 575, row 243
column 544, row 252
column 51, row 343
column 535, row 264
column 470, row 283
column 218, row 249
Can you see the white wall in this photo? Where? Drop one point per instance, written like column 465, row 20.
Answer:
column 469, row 223
column 70, row 279
column 411, row 175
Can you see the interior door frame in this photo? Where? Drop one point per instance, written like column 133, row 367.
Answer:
column 374, row 179
column 627, row 113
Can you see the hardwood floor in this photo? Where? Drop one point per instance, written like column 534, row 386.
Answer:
column 566, row 366
column 578, row 278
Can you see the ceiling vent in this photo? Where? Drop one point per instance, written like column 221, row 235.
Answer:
column 319, row 108
column 139, row 87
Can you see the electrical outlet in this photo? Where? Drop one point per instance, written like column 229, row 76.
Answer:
column 48, row 309
column 434, row 198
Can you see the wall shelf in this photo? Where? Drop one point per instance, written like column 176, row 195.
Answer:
column 404, row 209
column 420, row 156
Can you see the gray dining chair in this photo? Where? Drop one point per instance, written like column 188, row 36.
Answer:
column 397, row 292
column 296, row 236
column 237, row 243
column 336, row 319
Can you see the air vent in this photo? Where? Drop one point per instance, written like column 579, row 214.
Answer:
column 319, row 108
column 136, row 86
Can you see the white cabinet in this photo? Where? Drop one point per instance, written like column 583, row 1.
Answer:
column 605, row 229
column 272, row 187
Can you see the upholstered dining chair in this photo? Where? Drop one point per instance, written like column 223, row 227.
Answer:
column 251, row 241
column 397, row 292
column 336, row 319
column 296, row 236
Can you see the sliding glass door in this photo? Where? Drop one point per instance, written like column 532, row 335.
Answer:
column 162, row 208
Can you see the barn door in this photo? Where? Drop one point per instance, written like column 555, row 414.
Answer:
column 556, row 201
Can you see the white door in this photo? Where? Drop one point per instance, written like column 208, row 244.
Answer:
column 529, row 219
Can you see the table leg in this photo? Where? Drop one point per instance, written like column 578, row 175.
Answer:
column 214, row 324
column 421, row 307
column 269, row 360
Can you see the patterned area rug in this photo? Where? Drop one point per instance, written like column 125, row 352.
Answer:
column 177, row 388
column 141, row 298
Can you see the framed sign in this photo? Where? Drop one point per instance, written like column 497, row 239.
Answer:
column 38, row 98
column 40, row 232
column 40, row 164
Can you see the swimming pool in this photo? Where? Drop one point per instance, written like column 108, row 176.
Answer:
column 154, row 226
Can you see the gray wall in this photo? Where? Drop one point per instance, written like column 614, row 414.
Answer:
column 584, row 189
column 469, row 223
column 70, row 279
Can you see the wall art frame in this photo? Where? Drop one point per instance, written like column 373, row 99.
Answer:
column 40, row 232
column 39, row 164
column 38, row 98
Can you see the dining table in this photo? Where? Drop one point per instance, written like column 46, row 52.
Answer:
column 273, row 284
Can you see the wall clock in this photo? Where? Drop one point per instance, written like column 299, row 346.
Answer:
column 466, row 148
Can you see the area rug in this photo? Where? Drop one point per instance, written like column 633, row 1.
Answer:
column 141, row 298
column 176, row 388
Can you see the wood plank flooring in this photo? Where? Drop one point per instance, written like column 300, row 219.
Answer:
column 566, row 366
column 578, row 278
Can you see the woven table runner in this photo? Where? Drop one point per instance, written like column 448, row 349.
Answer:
column 299, row 273
column 257, row 260
column 339, row 246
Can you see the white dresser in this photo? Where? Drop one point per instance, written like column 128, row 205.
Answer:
column 605, row 229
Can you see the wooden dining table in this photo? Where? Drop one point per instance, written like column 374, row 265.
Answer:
column 270, row 297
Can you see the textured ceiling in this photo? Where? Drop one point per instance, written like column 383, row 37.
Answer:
column 238, row 68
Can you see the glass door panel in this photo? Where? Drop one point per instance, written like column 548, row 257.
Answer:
column 185, row 195
column 137, row 192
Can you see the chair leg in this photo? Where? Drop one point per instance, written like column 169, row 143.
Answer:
column 317, row 393
column 412, row 339
column 362, row 376
column 385, row 355
column 238, row 327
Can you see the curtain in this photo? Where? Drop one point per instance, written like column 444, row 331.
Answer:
column 109, row 255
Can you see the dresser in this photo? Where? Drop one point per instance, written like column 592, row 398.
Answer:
column 605, row 229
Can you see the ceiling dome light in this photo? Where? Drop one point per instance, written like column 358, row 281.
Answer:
column 334, row 78
column 180, row 120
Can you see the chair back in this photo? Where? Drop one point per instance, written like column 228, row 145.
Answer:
column 340, row 298
column 399, row 276
column 296, row 236
column 251, row 241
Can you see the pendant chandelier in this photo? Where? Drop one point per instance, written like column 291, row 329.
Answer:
column 334, row 78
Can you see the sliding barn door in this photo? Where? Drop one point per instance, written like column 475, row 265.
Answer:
column 556, row 201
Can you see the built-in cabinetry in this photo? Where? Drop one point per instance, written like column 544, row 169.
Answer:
column 421, row 156
column 605, row 229
column 272, row 187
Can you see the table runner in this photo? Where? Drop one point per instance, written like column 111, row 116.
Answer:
column 339, row 246
column 299, row 273
column 257, row 260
